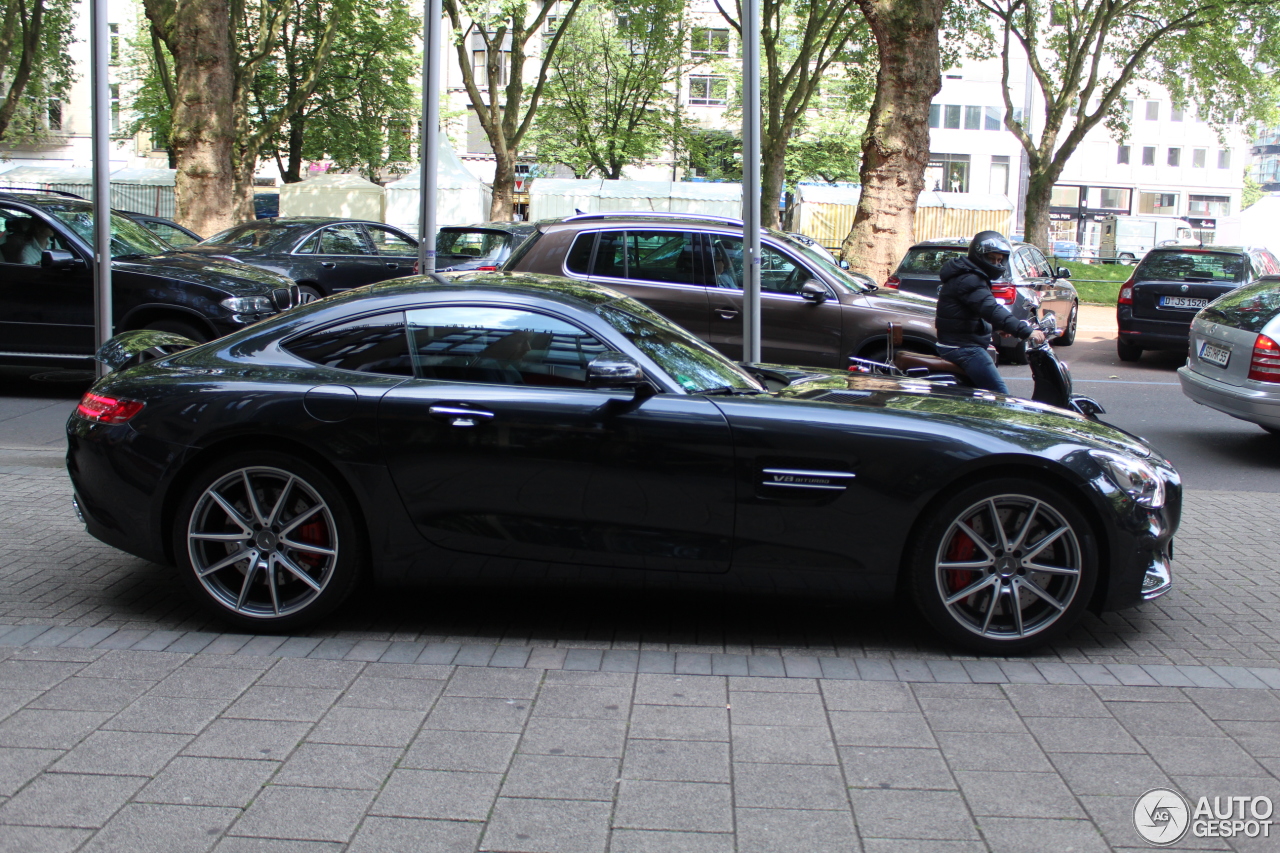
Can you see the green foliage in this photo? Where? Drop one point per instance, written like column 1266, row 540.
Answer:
column 714, row 155
column 609, row 100
column 36, row 67
column 148, row 100
column 1096, row 283
column 1252, row 191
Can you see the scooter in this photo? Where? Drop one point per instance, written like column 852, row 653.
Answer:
column 1051, row 375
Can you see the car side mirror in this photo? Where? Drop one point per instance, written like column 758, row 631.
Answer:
column 615, row 370
column 844, row 265
column 1063, row 272
column 813, row 291
column 51, row 259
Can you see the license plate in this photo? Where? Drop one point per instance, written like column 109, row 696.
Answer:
column 1182, row 302
column 1214, row 354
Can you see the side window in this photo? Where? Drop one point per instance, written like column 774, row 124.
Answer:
column 368, row 345
column 499, row 346
column 611, row 255
column 170, row 235
column 1036, row 263
column 726, row 261
column 579, row 258
column 665, row 256
column 1021, row 268
column 24, row 237
column 388, row 242
column 779, row 273
column 342, row 240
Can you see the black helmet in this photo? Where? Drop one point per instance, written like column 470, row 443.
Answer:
column 984, row 243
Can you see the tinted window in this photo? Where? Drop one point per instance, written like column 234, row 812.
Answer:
column 778, row 272
column 929, row 259
column 485, row 245
column 1250, row 307
column 499, row 346
column 579, row 258
column 1190, row 266
column 127, row 236
column 1036, row 262
column 342, row 240
column 368, row 345
column 666, row 256
column 24, row 238
column 169, row 234
column 249, row 236
column 388, row 242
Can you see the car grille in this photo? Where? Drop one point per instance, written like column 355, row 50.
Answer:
column 285, row 298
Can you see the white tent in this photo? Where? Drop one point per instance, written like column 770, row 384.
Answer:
column 555, row 197
column 62, row 178
column 147, row 191
column 461, row 197
column 1259, row 223
column 345, row 196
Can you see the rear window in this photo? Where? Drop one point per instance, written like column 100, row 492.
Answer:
column 1250, row 307
column 930, row 259
column 1190, row 266
column 485, row 245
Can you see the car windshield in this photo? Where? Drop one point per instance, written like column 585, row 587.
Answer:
column 1190, row 265
column 694, row 365
column 930, row 259
column 823, row 259
column 485, row 245
column 251, row 235
column 128, row 238
column 1249, row 308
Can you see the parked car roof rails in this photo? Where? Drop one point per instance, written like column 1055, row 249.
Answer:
column 36, row 191
column 659, row 214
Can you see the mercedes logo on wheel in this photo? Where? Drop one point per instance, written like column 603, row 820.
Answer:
column 1162, row 816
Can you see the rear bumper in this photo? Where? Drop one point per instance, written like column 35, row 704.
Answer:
column 1247, row 404
column 1153, row 334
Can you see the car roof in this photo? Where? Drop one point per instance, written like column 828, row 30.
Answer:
column 506, row 227
column 1203, row 248
column 957, row 243
column 579, row 294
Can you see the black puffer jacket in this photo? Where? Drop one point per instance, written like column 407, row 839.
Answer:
column 967, row 311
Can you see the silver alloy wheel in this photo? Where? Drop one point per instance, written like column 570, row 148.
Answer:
column 262, row 542
column 1008, row 567
column 306, row 294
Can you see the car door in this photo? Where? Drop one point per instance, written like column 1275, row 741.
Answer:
column 46, row 312
column 1055, row 294
column 397, row 251
column 793, row 330
column 338, row 258
column 497, row 447
column 660, row 267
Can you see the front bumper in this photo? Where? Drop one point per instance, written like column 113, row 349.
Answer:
column 1248, row 404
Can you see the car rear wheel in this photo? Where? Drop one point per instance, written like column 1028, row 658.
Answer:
column 1004, row 566
column 268, row 541
column 180, row 327
column 1128, row 351
column 1068, row 336
column 1126, row 258
column 308, row 293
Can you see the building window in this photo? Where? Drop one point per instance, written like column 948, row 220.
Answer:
column 948, row 173
column 113, row 31
column 1175, row 114
column 999, row 174
column 935, row 115
column 1199, row 156
column 706, row 42
column 1165, row 204
column 55, row 114
column 1122, row 155
column 1224, row 158
column 1065, row 197
column 481, row 71
column 1153, row 110
column 1175, row 156
column 1128, row 108
column 1148, row 155
column 973, row 118
column 993, row 118
column 707, row 91
column 114, row 88
column 1107, row 198
column 1208, row 205
column 952, row 117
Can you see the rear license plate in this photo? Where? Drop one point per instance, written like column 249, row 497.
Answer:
column 1214, row 354
column 1182, row 302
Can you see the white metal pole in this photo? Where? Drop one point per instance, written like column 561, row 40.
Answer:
column 751, row 181
column 429, row 158
column 100, row 53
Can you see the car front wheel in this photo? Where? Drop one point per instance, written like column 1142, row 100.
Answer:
column 1004, row 566
column 308, row 293
column 1068, row 336
column 268, row 541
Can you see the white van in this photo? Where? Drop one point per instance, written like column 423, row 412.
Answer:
column 1127, row 238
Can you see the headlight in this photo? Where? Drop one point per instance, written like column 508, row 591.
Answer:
column 1132, row 476
column 249, row 305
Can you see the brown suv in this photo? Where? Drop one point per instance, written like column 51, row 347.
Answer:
column 689, row 268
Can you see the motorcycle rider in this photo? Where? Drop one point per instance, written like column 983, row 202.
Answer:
column 967, row 310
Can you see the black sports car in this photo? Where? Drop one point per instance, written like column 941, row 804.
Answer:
column 513, row 424
column 324, row 256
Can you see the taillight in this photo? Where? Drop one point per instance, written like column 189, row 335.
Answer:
column 892, row 282
column 107, row 410
column 1005, row 293
column 1265, row 366
column 1126, row 293
column 485, row 269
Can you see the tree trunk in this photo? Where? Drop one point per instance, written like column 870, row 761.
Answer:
column 28, row 32
column 504, row 181
column 1035, row 222
column 293, row 172
column 895, row 148
column 773, row 174
column 203, row 139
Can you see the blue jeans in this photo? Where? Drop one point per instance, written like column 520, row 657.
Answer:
column 976, row 362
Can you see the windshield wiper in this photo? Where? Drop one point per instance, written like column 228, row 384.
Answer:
column 130, row 256
column 728, row 391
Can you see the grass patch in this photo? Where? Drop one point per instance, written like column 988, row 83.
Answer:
column 1097, row 283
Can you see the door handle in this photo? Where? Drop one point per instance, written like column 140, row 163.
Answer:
column 328, row 264
column 727, row 313
column 460, row 416
column 393, row 266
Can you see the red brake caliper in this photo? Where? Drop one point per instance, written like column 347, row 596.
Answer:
column 312, row 533
column 961, row 550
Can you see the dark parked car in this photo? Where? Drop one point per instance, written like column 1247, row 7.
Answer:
column 689, row 269
column 1032, row 291
column 46, row 284
column 1234, row 364
column 266, row 205
column 484, row 247
column 324, row 256
column 1171, row 283
column 166, row 229
column 522, row 426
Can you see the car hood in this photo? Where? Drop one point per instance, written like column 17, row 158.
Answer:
column 230, row 276
column 1012, row 418
column 904, row 302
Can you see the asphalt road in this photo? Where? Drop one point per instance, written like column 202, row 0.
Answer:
column 1211, row 450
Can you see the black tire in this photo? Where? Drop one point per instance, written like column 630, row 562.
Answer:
column 1068, row 337
column 308, row 293
column 1049, row 602
column 299, row 519
column 1127, row 351
column 1126, row 258
column 181, row 327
